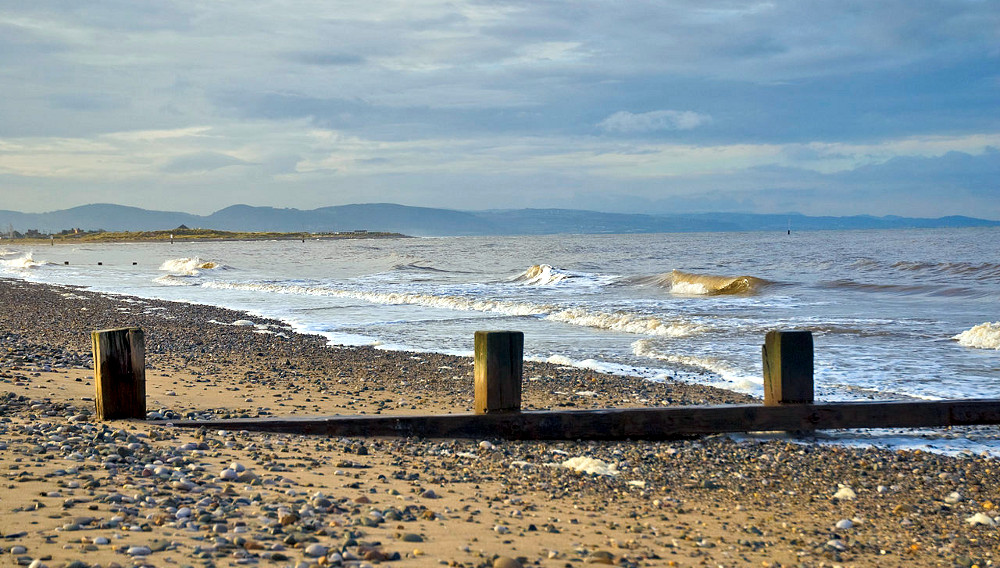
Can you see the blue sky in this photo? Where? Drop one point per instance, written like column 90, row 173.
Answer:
column 817, row 107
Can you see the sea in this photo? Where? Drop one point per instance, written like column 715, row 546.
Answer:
column 895, row 314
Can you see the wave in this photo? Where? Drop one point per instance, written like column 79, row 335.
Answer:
column 24, row 262
column 175, row 280
column 732, row 378
column 541, row 275
column 905, row 289
column 983, row 336
column 617, row 321
column 978, row 271
column 625, row 322
column 418, row 266
column 691, row 284
column 190, row 266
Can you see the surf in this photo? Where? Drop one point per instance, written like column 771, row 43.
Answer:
column 692, row 284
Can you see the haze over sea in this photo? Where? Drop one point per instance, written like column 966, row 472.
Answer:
column 894, row 314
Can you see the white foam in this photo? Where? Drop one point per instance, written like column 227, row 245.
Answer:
column 689, row 289
column 174, row 280
column 189, row 266
column 983, row 336
column 541, row 275
column 23, row 262
column 619, row 321
column 732, row 379
column 625, row 322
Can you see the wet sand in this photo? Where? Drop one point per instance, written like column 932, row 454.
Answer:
column 78, row 492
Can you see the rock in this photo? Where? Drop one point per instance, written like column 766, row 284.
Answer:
column 139, row 551
column 844, row 524
column 953, row 498
column 411, row 537
column 501, row 529
column 506, row 562
column 981, row 519
column 429, row 494
column 316, row 550
column 844, row 493
column 836, row 544
column 601, row 557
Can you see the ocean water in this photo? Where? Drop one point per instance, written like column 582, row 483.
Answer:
column 894, row 314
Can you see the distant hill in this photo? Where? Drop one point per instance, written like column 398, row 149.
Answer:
column 424, row 221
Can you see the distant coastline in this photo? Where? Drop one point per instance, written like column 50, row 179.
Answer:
column 193, row 235
column 394, row 219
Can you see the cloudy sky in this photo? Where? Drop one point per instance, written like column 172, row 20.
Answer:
column 819, row 107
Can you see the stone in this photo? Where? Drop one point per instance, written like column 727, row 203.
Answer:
column 316, row 550
column 506, row 562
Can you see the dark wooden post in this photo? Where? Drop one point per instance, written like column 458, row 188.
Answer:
column 788, row 367
column 499, row 369
column 120, row 373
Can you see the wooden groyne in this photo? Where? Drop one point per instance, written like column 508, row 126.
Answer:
column 788, row 405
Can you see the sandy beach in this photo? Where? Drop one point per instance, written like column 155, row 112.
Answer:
column 83, row 493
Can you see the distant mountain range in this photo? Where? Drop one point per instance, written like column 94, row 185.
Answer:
column 423, row 221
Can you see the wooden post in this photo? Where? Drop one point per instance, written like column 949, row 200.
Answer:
column 120, row 373
column 788, row 367
column 499, row 369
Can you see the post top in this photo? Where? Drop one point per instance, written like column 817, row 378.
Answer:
column 117, row 329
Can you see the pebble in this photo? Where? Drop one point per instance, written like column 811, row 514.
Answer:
column 844, row 493
column 139, row 551
column 844, row 524
column 506, row 562
column 981, row 519
column 316, row 550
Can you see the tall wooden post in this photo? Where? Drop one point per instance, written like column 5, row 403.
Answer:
column 120, row 373
column 788, row 367
column 499, row 370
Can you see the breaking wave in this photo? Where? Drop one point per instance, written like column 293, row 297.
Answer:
column 541, row 275
column 983, row 336
column 617, row 321
column 24, row 262
column 190, row 266
column 691, row 284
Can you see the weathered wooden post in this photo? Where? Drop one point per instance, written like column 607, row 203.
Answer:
column 498, row 371
column 788, row 367
column 120, row 373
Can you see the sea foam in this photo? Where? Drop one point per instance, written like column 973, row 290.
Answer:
column 541, row 275
column 189, row 266
column 24, row 262
column 983, row 336
column 618, row 321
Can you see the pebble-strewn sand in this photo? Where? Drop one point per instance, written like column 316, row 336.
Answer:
column 77, row 492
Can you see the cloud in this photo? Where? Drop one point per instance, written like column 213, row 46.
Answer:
column 201, row 162
column 658, row 120
column 323, row 58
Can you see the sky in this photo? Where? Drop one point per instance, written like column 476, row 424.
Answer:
column 817, row 107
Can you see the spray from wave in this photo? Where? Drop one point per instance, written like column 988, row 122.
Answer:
column 24, row 262
column 691, row 284
column 983, row 336
column 541, row 275
column 617, row 321
column 190, row 266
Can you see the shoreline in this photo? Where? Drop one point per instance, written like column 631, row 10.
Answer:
column 70, row 483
